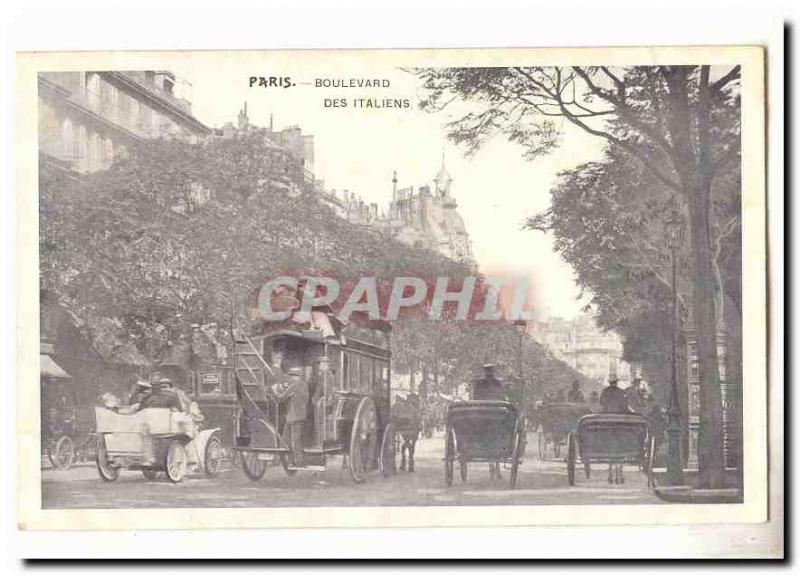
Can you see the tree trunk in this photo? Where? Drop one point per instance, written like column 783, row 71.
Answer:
column 711, row 456
column 693, row 165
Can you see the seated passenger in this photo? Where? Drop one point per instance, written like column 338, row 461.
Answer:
column 161, row 396
column 141, row 389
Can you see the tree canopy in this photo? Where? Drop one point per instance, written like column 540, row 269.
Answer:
column 175, row 234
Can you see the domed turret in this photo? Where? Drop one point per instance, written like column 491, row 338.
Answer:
column 443, row 180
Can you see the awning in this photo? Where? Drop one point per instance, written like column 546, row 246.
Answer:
column 49, row 368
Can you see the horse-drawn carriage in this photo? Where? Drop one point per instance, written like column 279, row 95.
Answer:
column 614, row 439
column 66, row 427
column 555, row 421
column 483, row 431
column 154, row 440
column 348, row 377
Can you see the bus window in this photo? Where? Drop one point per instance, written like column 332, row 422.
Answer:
column 365, row 382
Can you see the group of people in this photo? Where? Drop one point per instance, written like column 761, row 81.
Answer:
column 156, row 391
column 634, row 399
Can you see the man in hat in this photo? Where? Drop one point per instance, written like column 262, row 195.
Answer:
column 488, row 387
column 294, row 393
column 575, row 394
column 613, row 399
column 141, row 389
column 161, row 396
column 637, row 402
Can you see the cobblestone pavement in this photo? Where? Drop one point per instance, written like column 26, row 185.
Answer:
column 539, row 483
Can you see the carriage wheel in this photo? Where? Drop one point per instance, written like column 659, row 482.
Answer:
column 542, row 446
column 107, row 471
column 388, row 459
column 212, row 459
column 150, row 474
column 364, row 440
column 252, row 467
column 449, row 456
column 176, row 461
column 571, row 456
column 63, row 453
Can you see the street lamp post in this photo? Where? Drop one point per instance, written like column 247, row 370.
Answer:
column 521, row 326
column 675, row 232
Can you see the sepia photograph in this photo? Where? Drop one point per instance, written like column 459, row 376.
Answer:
column 428, row 282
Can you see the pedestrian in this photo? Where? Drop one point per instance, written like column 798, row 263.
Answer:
column 658, row 426
column 295, row 394
column 594, row 402
column 575, row 395
column 637, row 403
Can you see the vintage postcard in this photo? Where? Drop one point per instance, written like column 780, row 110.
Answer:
column 393, row 288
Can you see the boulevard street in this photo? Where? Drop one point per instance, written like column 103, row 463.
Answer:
column 539, row 483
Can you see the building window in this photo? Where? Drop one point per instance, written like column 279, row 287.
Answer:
column 93, row 90
column 67, row 139
column 82, row 151
column 93, row 148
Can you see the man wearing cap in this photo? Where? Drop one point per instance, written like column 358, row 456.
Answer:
column 161, row 396
column 488, row 388
column 294, row 393
column 141, row 389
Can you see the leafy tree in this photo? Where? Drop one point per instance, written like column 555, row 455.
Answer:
column 175, row 234
column 680, row 123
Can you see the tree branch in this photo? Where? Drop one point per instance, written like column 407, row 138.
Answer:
column 733, row 74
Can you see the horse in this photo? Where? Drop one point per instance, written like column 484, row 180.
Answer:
column 407, row 421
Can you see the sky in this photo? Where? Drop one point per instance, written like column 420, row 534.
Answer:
column 358, row 149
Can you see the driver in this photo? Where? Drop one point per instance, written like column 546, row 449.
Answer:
column 142, row 388
column 161, row 395
column 488, row 387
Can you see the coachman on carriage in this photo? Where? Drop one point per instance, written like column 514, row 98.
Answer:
column 488, row 428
